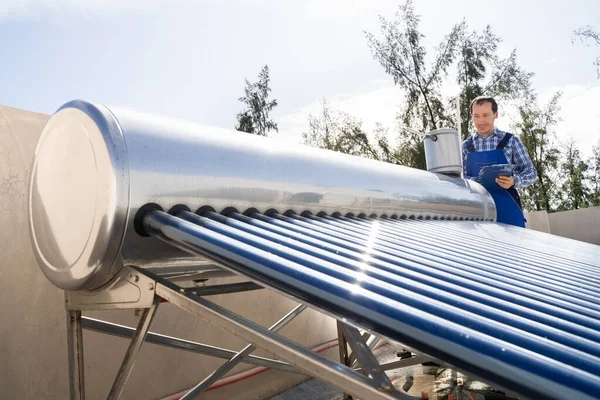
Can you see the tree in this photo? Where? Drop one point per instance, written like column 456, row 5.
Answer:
column 402, row 55
column 245, row 122
column 255, row 118
column 338, row 131
column 588, row 34
column 595, row 175
column 535, row 131
column 574, row 191
column 480, row 71
column 394, row 154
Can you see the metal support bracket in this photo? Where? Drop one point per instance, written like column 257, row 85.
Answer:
column 130, row 289
column 362, row 346
column 365, row 357
column 370, row 340
column 223, row 289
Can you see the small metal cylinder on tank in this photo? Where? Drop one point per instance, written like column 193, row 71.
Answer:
column 96, row 166
column 442, row 152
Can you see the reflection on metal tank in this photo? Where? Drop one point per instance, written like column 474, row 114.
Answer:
column 95, row 167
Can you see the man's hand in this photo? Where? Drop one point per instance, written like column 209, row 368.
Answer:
column 505, row 181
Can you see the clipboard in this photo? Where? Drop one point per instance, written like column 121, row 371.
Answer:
column 488, row 174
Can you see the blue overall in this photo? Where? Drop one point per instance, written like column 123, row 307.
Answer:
column 508, row 202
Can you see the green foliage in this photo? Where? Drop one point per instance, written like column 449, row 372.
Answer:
column 255, row 118
column 564, row 181
column 338, row 131
column 480, row 71
column 535, row 131
column 574, row 191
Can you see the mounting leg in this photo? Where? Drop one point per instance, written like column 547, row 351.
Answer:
column 343, row 347
column 75, row 348
column 132, row 351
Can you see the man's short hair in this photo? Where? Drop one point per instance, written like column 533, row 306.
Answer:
column 484, row 99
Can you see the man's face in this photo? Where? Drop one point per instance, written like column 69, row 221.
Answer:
column 483, row 118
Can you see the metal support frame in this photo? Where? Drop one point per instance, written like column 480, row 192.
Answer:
column 408, row 362
column 365, row 357
column 235, row 360
column 343, row 350
column 302, row 358
column 109, row 328
column 223, row 289
column 75, row 349
column 370, row 340
column 133, row 350
column 362, row 346
column 369, row 381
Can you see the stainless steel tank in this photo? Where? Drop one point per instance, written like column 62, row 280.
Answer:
column 443, row 153
column 95, row 167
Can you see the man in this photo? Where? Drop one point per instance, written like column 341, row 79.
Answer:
column 492, row 146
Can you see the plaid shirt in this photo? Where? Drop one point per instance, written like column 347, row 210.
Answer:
column 515, row 152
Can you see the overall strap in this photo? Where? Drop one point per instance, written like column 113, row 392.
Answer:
column 470, row 145
column 504, row 141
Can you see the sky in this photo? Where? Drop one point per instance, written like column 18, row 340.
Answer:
column 188, row 60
